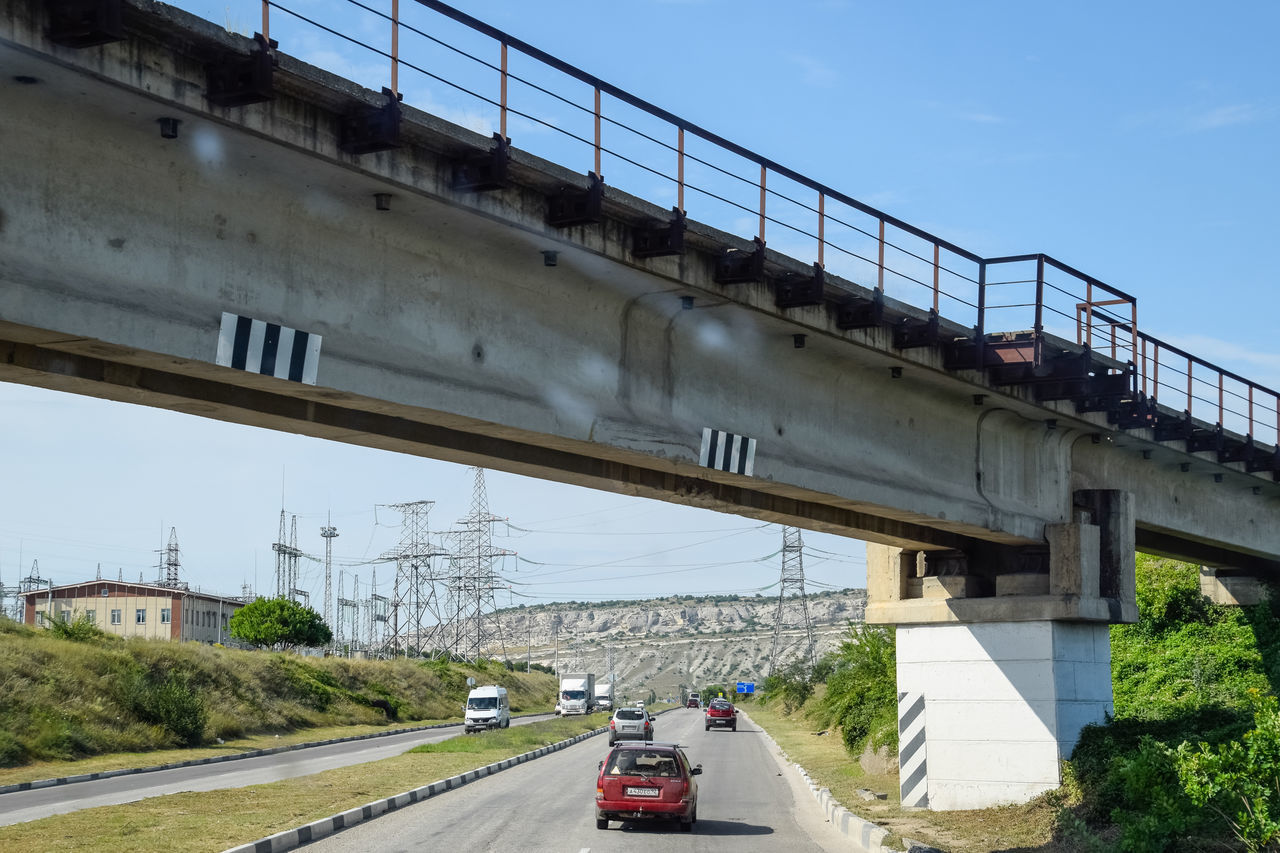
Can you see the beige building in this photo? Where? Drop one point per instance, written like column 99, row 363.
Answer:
column 136, row 610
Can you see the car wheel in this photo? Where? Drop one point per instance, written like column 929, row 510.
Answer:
column 708, row 728
column 733, row 728
column 602, row 823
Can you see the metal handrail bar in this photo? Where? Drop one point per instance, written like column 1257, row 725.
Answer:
column 626, row 97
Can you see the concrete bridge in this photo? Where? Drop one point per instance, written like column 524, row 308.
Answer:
column 198, row 221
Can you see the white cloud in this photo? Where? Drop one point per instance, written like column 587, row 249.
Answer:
column 1225, row 116
column 1258, row 366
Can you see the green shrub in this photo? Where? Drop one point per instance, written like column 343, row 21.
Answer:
column 1240, row 779
column 861, row 696
column 792, row 685
column 1168, row 593
column 80, row 629
column 1155, row 812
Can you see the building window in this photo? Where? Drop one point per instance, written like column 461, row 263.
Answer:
column 115, row 617
column 140, row 616
column 66, row 616
column 165, row 615
column 91, row 616
column 39, row 617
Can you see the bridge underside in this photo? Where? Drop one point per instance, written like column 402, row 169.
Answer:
column 446, row 333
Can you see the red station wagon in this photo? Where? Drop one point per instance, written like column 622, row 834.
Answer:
column 647, row 781
column 721, row 713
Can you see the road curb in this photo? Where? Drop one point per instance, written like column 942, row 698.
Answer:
column 865, row 835
column 214, row 759
column 291, row 839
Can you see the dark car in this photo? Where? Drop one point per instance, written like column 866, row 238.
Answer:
column 692, row 703
column 647, row 781
column 721, row 713
column 630, row 723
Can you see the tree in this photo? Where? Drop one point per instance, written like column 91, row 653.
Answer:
column 279, row 623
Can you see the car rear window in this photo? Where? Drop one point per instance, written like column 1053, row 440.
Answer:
column 630, row 714
column 634, row 762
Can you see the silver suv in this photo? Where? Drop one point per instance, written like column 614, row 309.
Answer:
column 630, row 724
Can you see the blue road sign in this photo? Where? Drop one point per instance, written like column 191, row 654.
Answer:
column 746, row 687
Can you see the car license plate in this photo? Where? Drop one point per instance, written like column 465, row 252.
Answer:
column 644, row 792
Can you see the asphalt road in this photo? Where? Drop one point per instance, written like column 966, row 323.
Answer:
column 21, row 806
column 747, row 801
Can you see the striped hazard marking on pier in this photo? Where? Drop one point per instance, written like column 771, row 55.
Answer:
column 913, row 773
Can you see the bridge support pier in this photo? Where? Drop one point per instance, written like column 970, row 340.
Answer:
column 1004, row 655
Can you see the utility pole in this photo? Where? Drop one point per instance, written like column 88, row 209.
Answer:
column 796, row 609
column 329, row 532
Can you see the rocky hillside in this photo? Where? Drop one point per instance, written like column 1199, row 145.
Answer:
column 669, row 644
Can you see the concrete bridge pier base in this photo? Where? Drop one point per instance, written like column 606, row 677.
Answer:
column 997, row 706
column 1003, row 654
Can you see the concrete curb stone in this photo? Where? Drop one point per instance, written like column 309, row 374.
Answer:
column 866, row 836
column 291, row 839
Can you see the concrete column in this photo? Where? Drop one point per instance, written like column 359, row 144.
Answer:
column 1227, row 586
column 1004, row 703
column 1004, row 656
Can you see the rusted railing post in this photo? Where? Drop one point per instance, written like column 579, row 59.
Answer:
column 937, row 250
column 763, row 173
column 680, row 171
column 1039, row 325
column 1190, row 396
column 266, row 21
column 502, row 115
column 822, row 221
column 880, row 277
column 599, row 172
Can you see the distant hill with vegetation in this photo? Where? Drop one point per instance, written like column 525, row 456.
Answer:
column 661, row 647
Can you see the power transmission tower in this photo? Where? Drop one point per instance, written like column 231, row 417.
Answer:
column 170, row 563
column 32, row 583
column 475, row 581
column 329, row 532
column 793, row 611
column 418, row 624
column 378, row 611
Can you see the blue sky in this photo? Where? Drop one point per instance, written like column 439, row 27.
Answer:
column 1136, row 142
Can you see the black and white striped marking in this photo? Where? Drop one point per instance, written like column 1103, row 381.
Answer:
column 725, row 451
column 913, row 775
column 268, row 348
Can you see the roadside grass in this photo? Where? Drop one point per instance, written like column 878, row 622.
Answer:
column 199, row 821
column 827, row 762
column 151, row 758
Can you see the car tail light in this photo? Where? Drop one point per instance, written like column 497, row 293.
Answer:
column 612, row 726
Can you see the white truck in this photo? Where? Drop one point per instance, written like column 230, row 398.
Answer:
column 577, row 693
column 487, row 708
column 604, row 696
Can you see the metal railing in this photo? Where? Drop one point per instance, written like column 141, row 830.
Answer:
column 492, row 81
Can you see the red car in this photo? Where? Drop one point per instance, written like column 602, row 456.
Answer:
column 647, row 781
column 721, row 713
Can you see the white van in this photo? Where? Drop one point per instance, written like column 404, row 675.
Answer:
column 487, row 708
